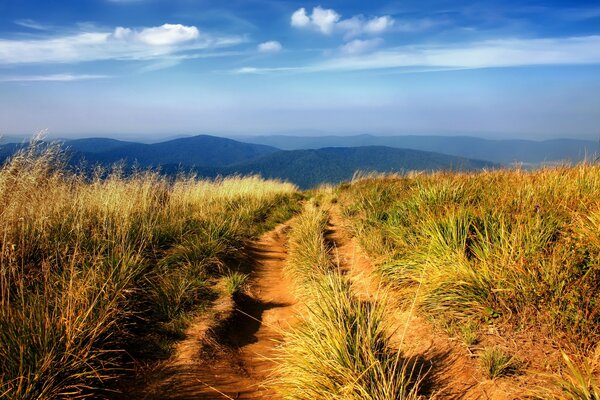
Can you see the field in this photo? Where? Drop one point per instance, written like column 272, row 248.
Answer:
column 440, row 285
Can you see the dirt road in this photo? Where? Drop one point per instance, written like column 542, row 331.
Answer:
column 229, row 353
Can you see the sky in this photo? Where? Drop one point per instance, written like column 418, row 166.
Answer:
column 151, row 69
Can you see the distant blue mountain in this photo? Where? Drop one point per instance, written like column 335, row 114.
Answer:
column 202, row 150
column 499, row 151
column 211, row 156
column 308, row 168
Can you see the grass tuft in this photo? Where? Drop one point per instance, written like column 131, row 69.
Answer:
column 236, row 282
column 497, row 363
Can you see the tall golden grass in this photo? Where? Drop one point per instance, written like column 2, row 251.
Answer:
column 521, row 247
column 89, row 265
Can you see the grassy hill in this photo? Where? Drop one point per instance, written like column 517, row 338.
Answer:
column 483, row 284
column 97, row 271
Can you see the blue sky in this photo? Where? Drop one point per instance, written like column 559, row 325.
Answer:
column 156, row 68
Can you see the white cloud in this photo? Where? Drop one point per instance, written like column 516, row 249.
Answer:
column 328, row 20
column 50, row 78
column 164, row 35
column 120, row 44
column 501, row 53
column 248, row 70
column 378, row 24
column 300, row 19
column 271, row 46
column 324, row 20
column 358, row 46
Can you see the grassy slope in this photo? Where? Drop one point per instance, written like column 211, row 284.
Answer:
column 491, row 248
column 90, row 267
column 87, row 267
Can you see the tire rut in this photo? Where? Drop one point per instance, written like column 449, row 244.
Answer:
column 451, row 373
column 229, row 354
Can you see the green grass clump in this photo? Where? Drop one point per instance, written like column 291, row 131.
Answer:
column 309, row 256
column 496, row 363
column 91, row 265
column 580, row 383
column 340, row 350
column 236, row 282
column 469, row 332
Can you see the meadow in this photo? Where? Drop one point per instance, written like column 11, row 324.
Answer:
column 512, row 252
column 98, row 270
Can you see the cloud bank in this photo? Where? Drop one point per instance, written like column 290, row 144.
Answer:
column 328, row 21
column 121, row 44
column 502, row 53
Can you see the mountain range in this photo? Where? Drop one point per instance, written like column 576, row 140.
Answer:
column 211, row 156
column 506, row 151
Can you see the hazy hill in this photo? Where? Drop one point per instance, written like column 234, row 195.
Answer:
column 500, row 151
column 6, row 150
column 96, row 145
column 200, row 150
column 212, row 156
column 203, row 150
column 12, row 139
column 308, row 168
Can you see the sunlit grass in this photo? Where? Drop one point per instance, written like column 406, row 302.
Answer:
column 340, row 348
column 511, row 246
column 499, row 244
column 89, row 264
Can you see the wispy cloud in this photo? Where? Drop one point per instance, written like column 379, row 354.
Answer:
column 502, row 53
column 175, row 59
column 253, row 70
column 31, row 24
column 359, row 46
column 51, row 78
column 328, row 21
column 271, row 46
column 122, row 43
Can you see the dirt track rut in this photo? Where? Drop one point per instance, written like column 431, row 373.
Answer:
column 233, row 359
column 451, row 372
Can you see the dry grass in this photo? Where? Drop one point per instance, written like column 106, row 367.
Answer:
column 340, row 349
column 510, row 246
column 89, row 265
